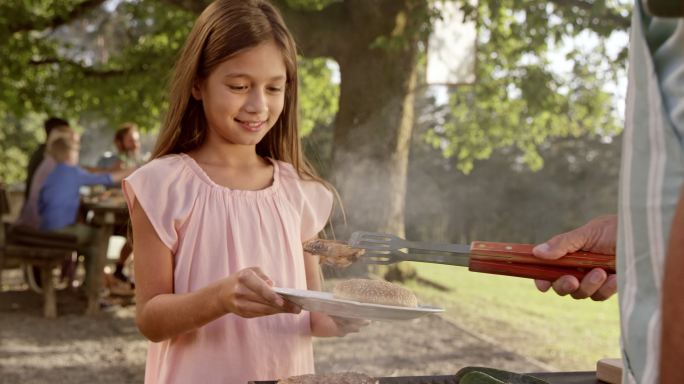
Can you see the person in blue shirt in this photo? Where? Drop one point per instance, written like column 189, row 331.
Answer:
column 59, row 198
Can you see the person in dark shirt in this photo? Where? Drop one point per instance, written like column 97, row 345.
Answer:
column 37, row 155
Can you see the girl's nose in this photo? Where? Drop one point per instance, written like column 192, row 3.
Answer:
column 256, row 101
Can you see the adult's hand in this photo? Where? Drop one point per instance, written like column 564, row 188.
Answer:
column 597, row 236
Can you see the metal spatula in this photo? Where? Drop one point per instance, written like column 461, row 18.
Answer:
column 510, row 259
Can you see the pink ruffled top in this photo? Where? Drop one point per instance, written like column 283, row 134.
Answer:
column 212, row 232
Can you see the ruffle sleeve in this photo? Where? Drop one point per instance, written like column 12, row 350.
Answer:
column 312, row 200
column 165, row 190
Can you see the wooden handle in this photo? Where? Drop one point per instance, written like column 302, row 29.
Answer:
column 517, row 260
column 530, row 271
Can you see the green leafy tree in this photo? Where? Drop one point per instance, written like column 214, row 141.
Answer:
column 519, row 100
column 85, row 61
column 83, row 57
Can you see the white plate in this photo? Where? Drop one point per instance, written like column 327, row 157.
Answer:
column 316, row 301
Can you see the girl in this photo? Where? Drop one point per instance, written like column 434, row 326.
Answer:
column 220, row 214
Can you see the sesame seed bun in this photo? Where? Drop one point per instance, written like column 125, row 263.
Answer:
column 375, row 292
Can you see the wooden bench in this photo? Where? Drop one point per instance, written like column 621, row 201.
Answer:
column 44, row 250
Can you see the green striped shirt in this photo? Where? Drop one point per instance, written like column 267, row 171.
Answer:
column 650, row 181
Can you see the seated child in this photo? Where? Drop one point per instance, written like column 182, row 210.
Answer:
column 59, row 198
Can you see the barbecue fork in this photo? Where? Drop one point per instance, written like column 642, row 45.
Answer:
column 509, row 259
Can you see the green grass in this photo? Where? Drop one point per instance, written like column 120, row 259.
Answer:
column 562, row 332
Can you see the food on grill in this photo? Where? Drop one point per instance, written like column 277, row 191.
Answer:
column 330, row 378
column 483, row 375
column 333, row 252
column 375, row 292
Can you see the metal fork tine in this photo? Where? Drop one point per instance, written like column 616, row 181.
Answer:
column 366, row 245
column 375, row 252
column 379, row 259
column 371, row 236
column 380, row 262
column 382, row 248
column 372, row 248
column 372, row 241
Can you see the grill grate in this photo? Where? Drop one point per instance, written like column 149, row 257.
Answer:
column 584, row 377
column 450, row 379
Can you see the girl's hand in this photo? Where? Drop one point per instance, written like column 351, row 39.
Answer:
column 346, row 325
column 323, row 325
column 248, row 294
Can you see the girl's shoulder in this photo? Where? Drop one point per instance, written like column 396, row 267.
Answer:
column 163, row 171
column 290, row 178
column 289, row 173
column 165, row 166
column 164, row 163
column 298, row 187
column 310, row 198
column 287, row 170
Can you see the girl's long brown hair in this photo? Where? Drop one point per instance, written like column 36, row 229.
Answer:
column 224, row 29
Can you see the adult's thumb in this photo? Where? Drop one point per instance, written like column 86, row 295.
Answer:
column 560, row 245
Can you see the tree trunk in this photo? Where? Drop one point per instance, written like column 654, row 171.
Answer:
column 375, row 43
column 372, row 137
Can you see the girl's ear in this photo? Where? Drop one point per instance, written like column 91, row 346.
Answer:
column 197, row 90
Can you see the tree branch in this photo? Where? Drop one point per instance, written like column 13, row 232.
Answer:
column 87, row 71
column 317, row 33
column 194, row 6
column 59, row 20
column 608, row 15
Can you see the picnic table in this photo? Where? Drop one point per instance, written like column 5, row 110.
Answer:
column 108, row 211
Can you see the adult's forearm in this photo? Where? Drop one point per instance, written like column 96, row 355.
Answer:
column 672, row 340
column 169, row 315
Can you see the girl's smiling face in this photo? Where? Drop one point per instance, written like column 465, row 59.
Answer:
column 244, row 96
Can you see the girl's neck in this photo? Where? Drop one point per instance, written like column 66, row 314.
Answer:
column 229, row 155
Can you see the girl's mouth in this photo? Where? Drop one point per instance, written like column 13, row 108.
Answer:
column 252, row 126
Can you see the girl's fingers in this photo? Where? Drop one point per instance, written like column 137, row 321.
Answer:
column 291, row 307
column 348, row 325
column 356, row 326
column 254, row 281
column 247, row 297
column 262, row 275
column 249, row 309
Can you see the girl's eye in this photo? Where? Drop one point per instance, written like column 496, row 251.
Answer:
column 237, row 87
column 275, row 89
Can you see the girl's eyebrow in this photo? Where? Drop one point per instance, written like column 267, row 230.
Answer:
column 234, row 75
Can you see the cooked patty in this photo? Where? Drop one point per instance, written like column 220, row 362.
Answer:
column 333, row 252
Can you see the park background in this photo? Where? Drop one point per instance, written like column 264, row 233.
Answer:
column 524, row 146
